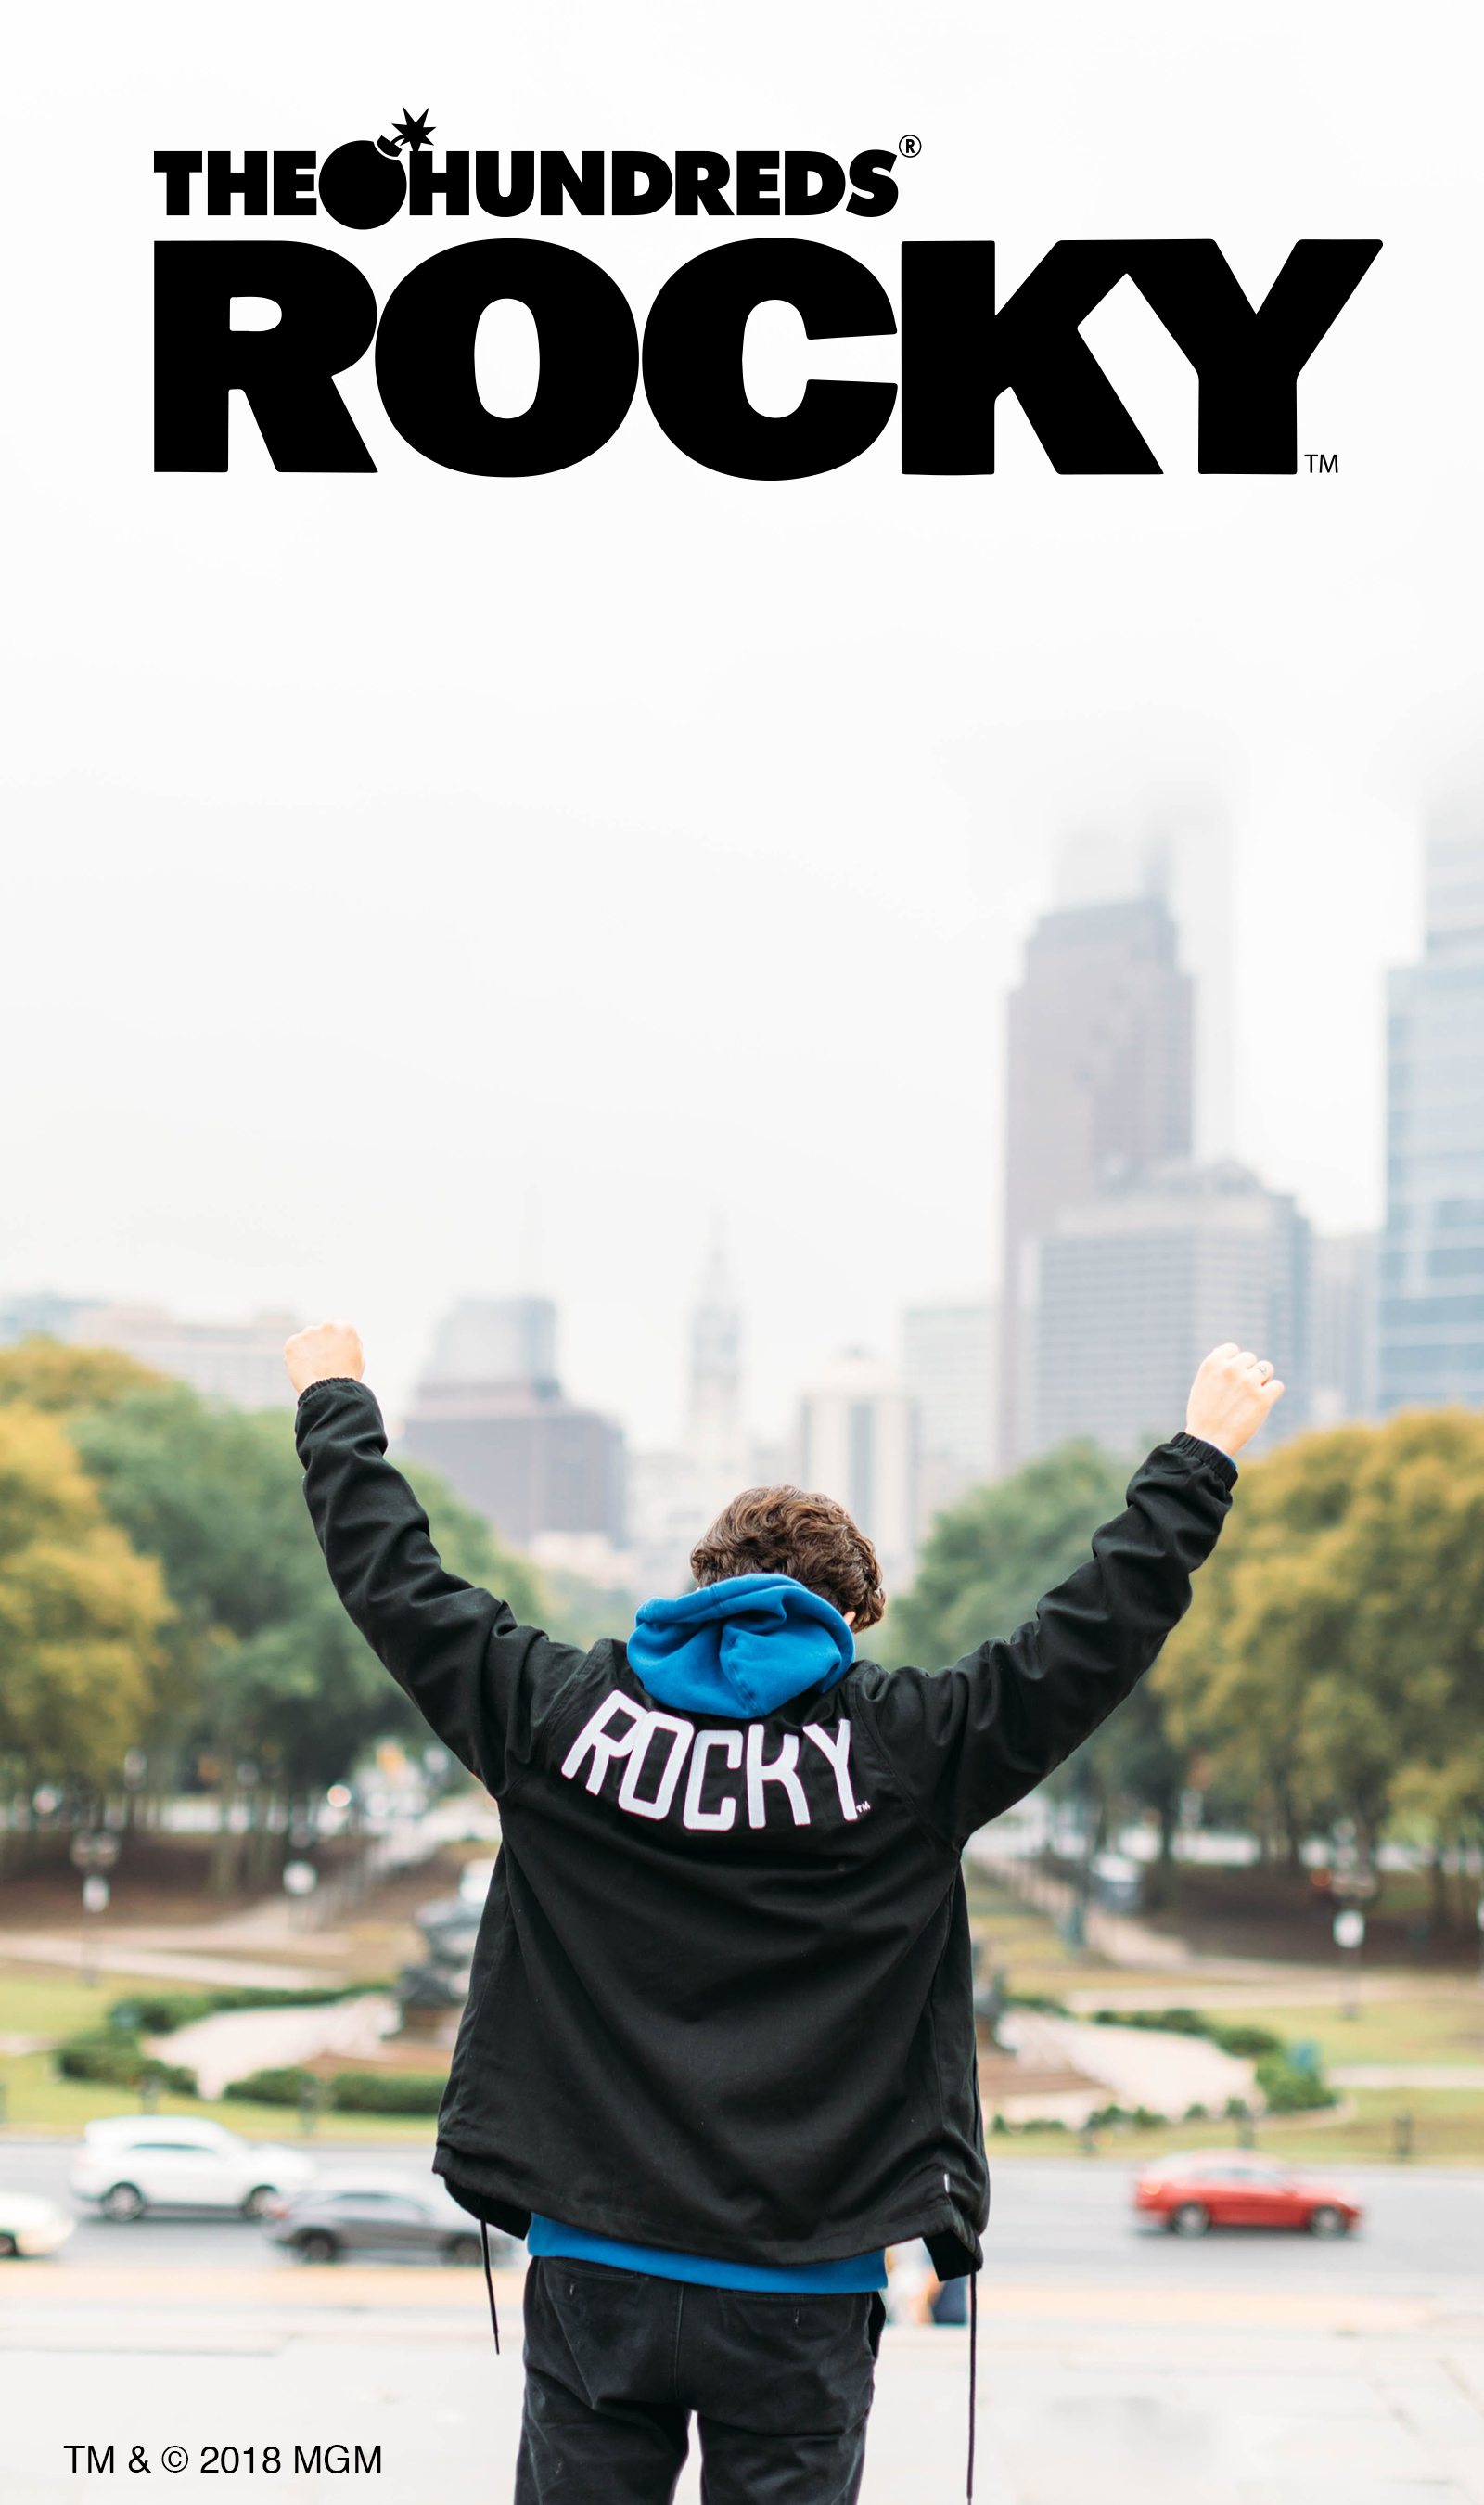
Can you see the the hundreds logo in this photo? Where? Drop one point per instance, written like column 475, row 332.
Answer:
column 655, row 1749
column 959, row 352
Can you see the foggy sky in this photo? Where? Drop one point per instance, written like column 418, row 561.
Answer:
column 421, row 885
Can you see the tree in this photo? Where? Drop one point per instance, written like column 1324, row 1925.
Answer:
column 987, row 1565
column 988, row 1561
column 256, row 1662
column 83, row 1615
column 51, row 1375
column 283, row 1677
column 1334, row 1669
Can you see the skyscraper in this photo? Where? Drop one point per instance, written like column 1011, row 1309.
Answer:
column 951, row 1367
column 859, row 1443
column 1431, row 1296
column 495, row 1339
column 713, row 1427
column 1098, row 1083
column 1136, row 1285
column 1342, row 1332
column 532, row 1462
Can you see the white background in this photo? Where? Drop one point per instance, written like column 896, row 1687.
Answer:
column 419, row 884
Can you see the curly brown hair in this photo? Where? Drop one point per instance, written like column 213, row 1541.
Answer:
column 784, row 1530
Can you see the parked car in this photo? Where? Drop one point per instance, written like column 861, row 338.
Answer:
column 136, row 2163
column 30, row 2227
column 1235, row 2187
column 389, row 2216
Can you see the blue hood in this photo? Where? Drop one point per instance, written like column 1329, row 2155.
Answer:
column 743, row 1646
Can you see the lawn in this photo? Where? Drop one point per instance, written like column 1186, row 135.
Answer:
column 1446, row 2026
column 39, row 2002
column 38, row 2101
column 1447, row 2129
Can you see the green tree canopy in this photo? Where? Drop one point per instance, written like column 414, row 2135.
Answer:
column 989, row 1560
column 83, row 1616
column 987, row 1565
column 1336, row 1667
column 280, row 1675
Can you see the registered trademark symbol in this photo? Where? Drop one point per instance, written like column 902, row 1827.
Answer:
column 910, row 145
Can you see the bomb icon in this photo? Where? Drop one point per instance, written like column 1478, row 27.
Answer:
column 363, row 183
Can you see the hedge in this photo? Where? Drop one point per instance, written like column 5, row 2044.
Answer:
column 388, row 2092
column 111, row 2059
column 1288, row 2089
column 1248, row 2043
column 161, row 2013
column 288, row 2087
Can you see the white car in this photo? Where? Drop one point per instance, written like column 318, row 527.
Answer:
column 156, row 2162
column 29, row 2227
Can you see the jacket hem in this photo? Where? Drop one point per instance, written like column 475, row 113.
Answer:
column 489, row 2192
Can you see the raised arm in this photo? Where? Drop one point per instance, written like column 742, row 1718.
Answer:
column 457, row 1651
column 971, row 1740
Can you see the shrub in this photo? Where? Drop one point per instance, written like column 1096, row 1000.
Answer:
column 1163, row 2021
column 109, row 2058
column 388, row 2091
column 1046, row 2002
column 1248, row 2044
column 161, row 2013
column 1289, row 2090
column 288, row 2087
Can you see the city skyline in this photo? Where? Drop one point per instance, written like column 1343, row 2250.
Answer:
column 497, row 1336
column 1129, row 1255
column 538, row 1245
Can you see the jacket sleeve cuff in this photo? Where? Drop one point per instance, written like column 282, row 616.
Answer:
column 328, row 1382
column 1200, row 1454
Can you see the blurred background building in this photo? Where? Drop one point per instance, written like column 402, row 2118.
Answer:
column 239, row 1362
column 1135, row 1286
column 951, row 1370
column 1098, row 1081
column 548, row 1474
column 859, row 1443
column 1342, row 1329
column 1432, row 1300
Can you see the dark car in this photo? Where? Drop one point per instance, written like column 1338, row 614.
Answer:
column 396, row 2221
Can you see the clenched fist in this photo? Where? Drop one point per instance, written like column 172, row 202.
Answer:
column 1230, row 1396
column 325, row 1348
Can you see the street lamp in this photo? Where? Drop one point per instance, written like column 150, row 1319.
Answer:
column 300, row 1880
column 92, row 1853
column 1349, row 1939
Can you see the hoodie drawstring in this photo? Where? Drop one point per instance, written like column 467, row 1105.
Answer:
column 973, row 2375
column 489, row 2281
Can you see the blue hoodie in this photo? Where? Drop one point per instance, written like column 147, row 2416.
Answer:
column 744, row 1647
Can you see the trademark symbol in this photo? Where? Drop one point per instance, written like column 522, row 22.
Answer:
column 1326, row 462
column 908, row 145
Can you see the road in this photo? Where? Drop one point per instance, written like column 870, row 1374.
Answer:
column 1052, row 2222
column 1112, row 2363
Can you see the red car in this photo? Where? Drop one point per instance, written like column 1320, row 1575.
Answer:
column 1234, row 2187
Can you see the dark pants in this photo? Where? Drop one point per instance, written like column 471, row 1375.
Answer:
column 617, row 2362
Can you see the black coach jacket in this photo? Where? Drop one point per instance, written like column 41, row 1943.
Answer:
column 721, row 2001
